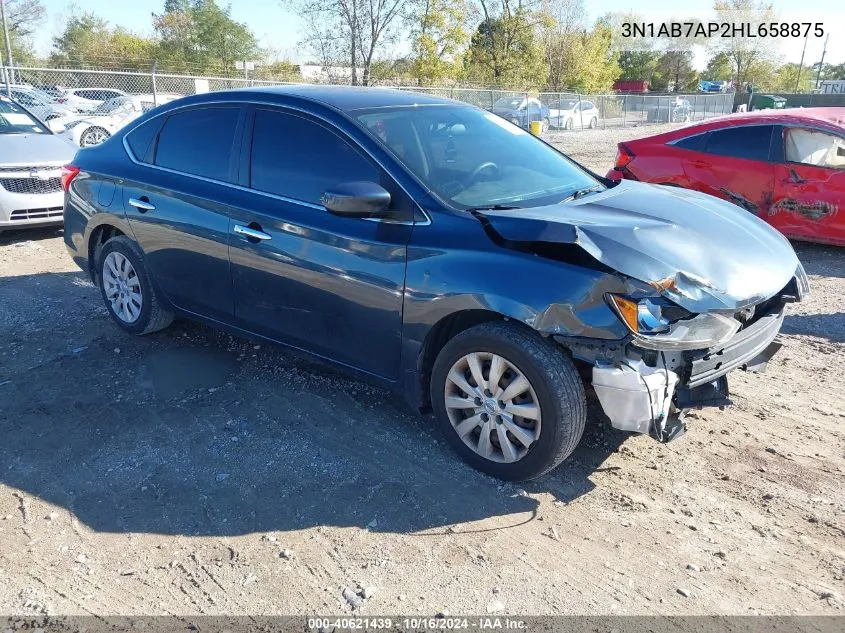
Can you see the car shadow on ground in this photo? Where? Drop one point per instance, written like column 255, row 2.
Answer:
column 821, row 259
column 828, row 326
column 21, row 236
column 191, row 431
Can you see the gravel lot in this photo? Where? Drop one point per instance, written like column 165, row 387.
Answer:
column 189, row 472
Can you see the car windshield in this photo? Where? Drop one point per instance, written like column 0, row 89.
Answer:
column 472, row 158
column 113, row 105
column 16, row 120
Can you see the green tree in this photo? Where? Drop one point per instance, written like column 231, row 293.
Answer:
column 638, row 65
column 23, row 17
column 504, row 50
column 590, row 64
column 788, row 78
column 719, row 68
column 748, row 56
column 675, row 72
column 200, row 36
column 438, row 38
column 89, row 41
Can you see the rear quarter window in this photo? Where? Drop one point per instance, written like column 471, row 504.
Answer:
column 140, row 139
column 693, row 143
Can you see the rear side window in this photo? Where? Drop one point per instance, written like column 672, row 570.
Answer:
column 198, row 142
column 750, row 142
column 694, row 143
column 300, row 159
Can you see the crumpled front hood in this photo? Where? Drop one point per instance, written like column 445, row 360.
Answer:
column 699, row 251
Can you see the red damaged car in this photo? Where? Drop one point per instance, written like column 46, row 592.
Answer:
column 786, row 166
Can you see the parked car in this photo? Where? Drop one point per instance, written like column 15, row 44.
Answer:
column 434, row 249
column 87, row 99
column 767, row 102
column 38, row 103
column 54, row 91
column 784, row 166
column 570, row 113
column 85, row 130
column 522, row 110
column 31, row 160
column 669, row 110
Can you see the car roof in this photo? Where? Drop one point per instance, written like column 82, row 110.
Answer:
column 343, row 98
column 820, row 117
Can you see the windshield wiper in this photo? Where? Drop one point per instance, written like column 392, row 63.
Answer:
column 582, row 192
column 493, row 207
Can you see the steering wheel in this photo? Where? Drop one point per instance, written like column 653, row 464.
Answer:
column 480, row 169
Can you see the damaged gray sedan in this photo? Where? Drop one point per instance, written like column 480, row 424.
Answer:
column 435, row 249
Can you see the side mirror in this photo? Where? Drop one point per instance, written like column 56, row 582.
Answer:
column 356, row 200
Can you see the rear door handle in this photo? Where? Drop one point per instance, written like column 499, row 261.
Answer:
column 143, row 205
column 250, row 233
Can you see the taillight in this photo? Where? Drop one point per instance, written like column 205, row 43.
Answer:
column 623, row 156
column 69, row 172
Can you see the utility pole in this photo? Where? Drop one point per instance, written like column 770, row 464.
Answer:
column 8, row 46
column 801, row 65
column 821, row 63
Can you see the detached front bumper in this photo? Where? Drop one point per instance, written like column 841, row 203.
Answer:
column 648, row 390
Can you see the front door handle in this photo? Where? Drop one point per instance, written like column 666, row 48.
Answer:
column 143, row 204
column 250, row 233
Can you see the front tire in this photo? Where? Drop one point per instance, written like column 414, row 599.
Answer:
column 545, row 125
column 508, row 401
column 569, row 124
column 594, row 123
column 126, row 289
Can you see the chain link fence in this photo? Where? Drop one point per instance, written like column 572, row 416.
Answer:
column 557, row 111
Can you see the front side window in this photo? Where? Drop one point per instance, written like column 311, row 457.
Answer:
column 198, row 142
column 814, row 147
column 300, row 159
column 750, row 142
column 473, row 158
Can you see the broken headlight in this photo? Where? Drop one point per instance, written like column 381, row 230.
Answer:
column 657, row 323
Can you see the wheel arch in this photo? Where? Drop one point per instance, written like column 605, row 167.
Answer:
column 100, row 234
column 441, row 333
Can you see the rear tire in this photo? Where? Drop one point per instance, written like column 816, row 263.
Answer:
column 554, row 389
column 150, row 317
column 568, row 125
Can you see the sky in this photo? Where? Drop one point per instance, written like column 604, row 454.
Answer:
column 278, row 29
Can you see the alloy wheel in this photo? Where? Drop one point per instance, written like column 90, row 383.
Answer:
column 122, row 287
column 492, row 407
column 93, row 136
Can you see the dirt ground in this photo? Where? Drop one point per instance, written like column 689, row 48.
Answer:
column 189, row 472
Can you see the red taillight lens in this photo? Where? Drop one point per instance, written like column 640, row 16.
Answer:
column 69, row 172
column 623, row 156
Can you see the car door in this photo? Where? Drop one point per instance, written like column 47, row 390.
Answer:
column 742, row 173
column 327, row 284
column 177, row 204
column 810, row 185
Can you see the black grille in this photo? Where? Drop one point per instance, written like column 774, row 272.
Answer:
column 37, row 214
column 31, row 185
